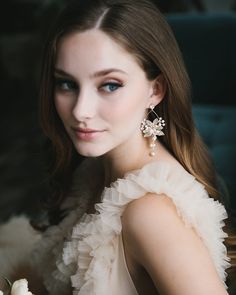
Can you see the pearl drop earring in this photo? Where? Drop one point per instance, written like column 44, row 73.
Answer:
column 152, row 129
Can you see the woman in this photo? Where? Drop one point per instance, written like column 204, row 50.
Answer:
column 142, row 216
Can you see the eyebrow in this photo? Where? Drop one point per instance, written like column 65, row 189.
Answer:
column 61, row 72
column 108, row 71
column 95, row 75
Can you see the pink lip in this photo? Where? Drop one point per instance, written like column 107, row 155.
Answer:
column 87, row 134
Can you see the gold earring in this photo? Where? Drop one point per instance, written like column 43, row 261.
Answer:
column 152, row 129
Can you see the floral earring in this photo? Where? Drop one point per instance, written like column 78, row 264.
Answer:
column 152, row 129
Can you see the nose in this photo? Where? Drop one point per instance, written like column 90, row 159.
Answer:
column 84, row 107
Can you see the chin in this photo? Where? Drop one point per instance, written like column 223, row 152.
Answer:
column 90, row 155
column 88, row 152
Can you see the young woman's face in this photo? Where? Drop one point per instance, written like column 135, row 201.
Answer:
column 101, row 93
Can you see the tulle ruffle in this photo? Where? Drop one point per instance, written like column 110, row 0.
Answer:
column 94, row 238
column 47, row 255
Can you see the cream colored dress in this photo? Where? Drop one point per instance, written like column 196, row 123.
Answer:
column 86, row 250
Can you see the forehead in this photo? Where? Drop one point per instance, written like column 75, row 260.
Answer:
column 92, row 50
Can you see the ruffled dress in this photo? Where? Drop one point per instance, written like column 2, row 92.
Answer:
column 84, row 253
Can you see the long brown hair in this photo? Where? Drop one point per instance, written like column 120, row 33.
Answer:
column 143, row 31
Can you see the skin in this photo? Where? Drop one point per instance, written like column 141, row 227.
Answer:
column 115, row 102
column 183, row 269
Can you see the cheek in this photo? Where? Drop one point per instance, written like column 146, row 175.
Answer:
column 63, row 107
column 130, row 108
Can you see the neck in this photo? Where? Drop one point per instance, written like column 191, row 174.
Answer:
column 126, row 158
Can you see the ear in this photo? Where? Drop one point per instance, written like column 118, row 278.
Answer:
column 158, row 90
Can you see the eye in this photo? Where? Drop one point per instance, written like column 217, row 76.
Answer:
column 111, row 86
column 65, row 84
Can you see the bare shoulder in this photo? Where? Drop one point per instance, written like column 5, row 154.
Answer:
column 149, row 210
column 156, row 237
column 151, row 221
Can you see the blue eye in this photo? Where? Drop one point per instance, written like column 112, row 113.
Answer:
column 66, row 85
column 111, row 86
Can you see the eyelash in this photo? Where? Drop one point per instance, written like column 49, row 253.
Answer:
column 116, row 84
column 69, row 85
column 61, row 84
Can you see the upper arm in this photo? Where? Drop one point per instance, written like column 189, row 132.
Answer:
column 173, row 254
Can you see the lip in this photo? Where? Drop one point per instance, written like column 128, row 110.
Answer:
column 87, row 134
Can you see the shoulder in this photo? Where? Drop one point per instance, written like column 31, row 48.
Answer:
column 156, row 237
column 151, row 224
column 147, row 211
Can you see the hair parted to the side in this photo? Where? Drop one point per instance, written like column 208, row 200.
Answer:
column 143, row 31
